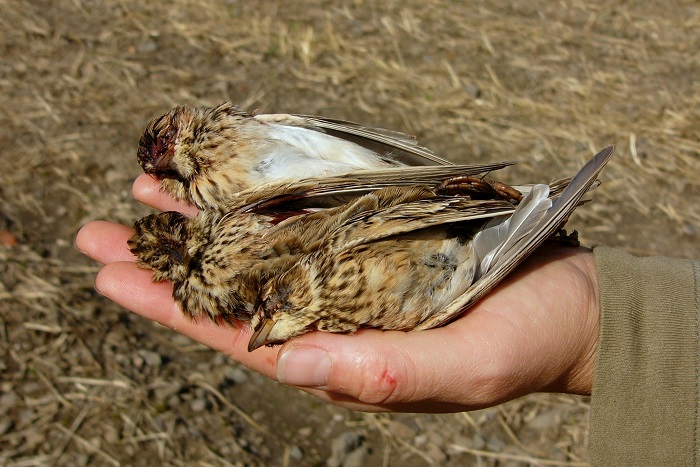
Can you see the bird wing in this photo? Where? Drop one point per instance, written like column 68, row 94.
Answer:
column 391, row 145
column 510, row 257
column 353, row 184
column 407, row 217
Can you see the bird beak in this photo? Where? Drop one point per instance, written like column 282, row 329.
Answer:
column 259, row 337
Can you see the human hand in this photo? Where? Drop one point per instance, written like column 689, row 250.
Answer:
column 537, row 331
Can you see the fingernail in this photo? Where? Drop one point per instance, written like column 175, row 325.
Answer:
column 97, row 289
column 304, row 366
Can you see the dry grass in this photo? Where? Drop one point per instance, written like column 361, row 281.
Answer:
column 548, row 83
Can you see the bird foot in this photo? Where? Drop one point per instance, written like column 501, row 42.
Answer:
column 565, row 239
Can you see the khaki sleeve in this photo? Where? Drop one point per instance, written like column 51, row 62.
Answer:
column 644, row 406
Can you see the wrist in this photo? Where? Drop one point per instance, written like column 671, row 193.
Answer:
column 585, row 309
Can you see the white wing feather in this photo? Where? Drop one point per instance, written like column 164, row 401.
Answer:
column 499, row 235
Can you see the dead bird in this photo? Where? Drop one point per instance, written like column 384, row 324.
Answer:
column 204, row 155
column 413, row 266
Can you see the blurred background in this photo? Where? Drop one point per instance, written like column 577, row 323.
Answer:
column 545, row 83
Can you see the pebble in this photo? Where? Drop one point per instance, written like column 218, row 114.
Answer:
column 112, row 177
column 473, row 91
column 163, row 392
column 148, row 46
column 235, row 374
column 420, row 440
column 546, row 419
column 199, row 405
column 296, row 453
column 151, row 358
column 342, row 445
column 173, row 402
column 357, row 457
column 110, row 434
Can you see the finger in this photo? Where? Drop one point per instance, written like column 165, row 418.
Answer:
column 147, row 190
column 104, row 242
column 133, row 289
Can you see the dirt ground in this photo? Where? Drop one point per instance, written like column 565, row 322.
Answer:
column 85, row 382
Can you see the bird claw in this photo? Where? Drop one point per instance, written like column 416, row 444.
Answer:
column 565, row 239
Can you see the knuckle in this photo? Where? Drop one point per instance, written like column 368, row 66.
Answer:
column 382, row 379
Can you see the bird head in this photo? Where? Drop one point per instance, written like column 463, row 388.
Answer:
column 160, row 242
column 282, row 311
column 166, row 145
column 179, row 147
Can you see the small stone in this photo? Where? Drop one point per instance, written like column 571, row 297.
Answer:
column 110, row 434
column 147, row 46
column 357, row 457
column 173, row 402
column 112, row 177
column 346, row 442
column 163, row 392
column 296, row 453
column 137, row 361
column 420, row 440
column 150, row 358
column 473, row 91
column 199, row 405
column 545, row 420
column 235, row 374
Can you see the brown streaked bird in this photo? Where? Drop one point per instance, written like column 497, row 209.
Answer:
column 414, row 266
column 205, row 155
column 217, row 263
column 205, row 275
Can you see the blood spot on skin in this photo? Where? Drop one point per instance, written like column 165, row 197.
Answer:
column 388, row 380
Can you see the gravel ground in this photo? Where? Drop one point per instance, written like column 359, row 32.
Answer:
column 85, row 382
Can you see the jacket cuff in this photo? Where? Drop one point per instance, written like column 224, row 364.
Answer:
column 644, row 406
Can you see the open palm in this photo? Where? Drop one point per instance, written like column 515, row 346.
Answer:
column 537, row 331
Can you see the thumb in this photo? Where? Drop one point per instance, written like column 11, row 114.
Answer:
column 375, row 370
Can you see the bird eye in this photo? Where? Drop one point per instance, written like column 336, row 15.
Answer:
column 179, row 255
